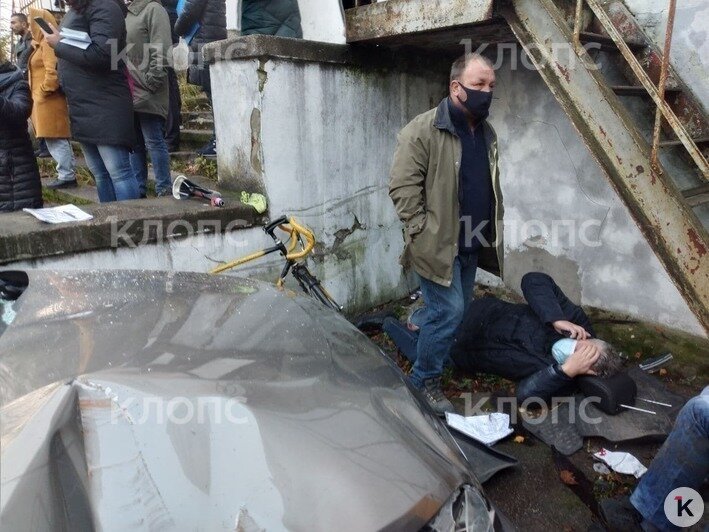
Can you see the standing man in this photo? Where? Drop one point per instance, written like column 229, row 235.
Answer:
column 20, row 26
column 445, row 187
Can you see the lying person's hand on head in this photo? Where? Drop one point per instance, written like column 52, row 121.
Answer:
column 575, row 332
column 582, row 360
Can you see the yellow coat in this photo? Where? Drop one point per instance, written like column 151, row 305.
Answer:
column 50, row 115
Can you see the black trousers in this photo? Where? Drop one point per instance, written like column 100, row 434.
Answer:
column 174, row 114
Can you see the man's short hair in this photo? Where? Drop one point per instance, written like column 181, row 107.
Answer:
column 21, row 16
column 463, row 61
column 610, row 362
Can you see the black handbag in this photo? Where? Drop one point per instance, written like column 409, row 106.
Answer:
column 611, row 392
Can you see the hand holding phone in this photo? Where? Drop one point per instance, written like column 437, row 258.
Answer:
column 44, row 25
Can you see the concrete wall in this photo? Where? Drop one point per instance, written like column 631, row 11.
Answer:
column 690, row 42
column 318, row 139
column 324, row 136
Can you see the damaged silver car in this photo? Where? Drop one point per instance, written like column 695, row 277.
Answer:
column 177, row 401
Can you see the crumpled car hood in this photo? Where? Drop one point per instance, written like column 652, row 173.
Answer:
column 158, row 400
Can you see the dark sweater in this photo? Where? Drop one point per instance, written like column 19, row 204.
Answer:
column 515, row 341
column 475, row 194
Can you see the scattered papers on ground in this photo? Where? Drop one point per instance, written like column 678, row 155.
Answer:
column 59, row 215
column 487, row 429
column 621, row 462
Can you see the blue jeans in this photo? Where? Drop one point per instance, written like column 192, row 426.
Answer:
column 110, row 166
column 61, row 152
column 682, row 461
column 150, row 131
column 440, row 317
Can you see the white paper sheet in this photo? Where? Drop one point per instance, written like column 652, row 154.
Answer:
column 76, row 44
column 487, row 429
column 75, row 35
column 59, row 215
column 621, row 462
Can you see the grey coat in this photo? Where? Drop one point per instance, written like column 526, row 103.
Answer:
column 149, row 41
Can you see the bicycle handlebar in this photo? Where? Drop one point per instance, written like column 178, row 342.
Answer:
column 296, row 234
column 296, row 231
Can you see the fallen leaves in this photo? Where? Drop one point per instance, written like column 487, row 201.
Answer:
column 567, row 477
column 519, row 439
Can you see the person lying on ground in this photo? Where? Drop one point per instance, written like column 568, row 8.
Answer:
column 544, row 344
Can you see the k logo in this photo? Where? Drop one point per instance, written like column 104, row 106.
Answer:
column 684, row 507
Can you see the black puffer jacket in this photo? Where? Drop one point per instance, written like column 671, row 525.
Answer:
column 271, row 17
column 100, row 103
column 211, row 14
column 20, row 186
column 515, row 341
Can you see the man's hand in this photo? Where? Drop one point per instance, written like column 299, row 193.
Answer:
column 575, row 332
column 52, row 38
column 581, row 361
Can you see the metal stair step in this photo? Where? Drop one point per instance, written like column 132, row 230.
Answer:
column 637, row 90
column 677, row 142
column 697, row 196
column 607, row 44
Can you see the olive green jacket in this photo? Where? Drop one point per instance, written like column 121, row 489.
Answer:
column 149, row 41
column 424, row 189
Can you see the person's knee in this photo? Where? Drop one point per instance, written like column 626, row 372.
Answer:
column 696, row 411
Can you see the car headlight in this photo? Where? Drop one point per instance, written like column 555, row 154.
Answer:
column 467, row 510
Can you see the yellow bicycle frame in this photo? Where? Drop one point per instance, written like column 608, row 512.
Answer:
column 295, row 231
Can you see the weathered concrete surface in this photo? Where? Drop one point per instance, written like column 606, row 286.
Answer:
column 318, row 138
column 401, row 17
column 116, row 225
column 690, row 42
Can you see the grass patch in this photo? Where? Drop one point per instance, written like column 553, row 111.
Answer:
column 61, row 198
column 200, row 166
column 193, row 99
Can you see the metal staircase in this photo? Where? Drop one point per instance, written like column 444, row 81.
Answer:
column 665, row 197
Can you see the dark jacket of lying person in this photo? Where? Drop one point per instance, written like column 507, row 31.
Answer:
column 544, row 345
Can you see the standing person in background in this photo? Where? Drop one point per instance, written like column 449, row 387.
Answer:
column 149, row 39
column 211, row 17
column 50, row 116
column 271, row 17
column 174, row 113
column 20, row 186
column 20, row 26
column 98, row 94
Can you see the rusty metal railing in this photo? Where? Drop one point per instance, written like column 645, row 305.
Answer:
column 657, row 93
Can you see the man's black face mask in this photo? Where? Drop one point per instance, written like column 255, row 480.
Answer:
column 477, row 102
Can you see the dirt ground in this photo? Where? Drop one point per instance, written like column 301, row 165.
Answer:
column 550, row 492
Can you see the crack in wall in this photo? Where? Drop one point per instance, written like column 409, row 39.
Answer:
column 338, row 247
